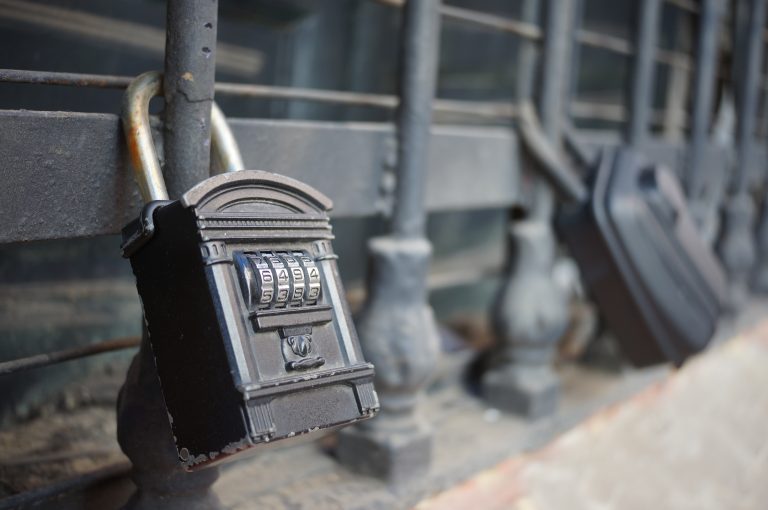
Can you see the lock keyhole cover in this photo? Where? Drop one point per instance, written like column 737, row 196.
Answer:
column 301, row 345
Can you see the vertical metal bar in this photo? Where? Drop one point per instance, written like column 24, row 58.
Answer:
column 573, row 84
column 737, row 244
column 142, row 418
column 396, row 326
column 531, row 312
column 555, row 71
column 748, row 88
column 703, row 95
column 641, row 89
column 418, row 78
column 190, row 73
column 554, row 88
column 678, row 80
column 526, row 59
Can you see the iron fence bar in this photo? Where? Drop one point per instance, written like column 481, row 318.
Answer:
column 641, row 88
column 703, row 95
column 748, row 92
column 530, row 313
column 488, row 109
column 612, row 112
column 55, row 357
column 760, row 273
column 678, row 82
column 737, row 244
column 315, row 95
column 34, row 496
column 554, row 75
column 67, row 79
column 577, row 21
column 675, row 59
column 188, row 89
column 417, row 89
column 599, row 111
column 523, row 29
column 526, row 58
column 397, row 286
column 189, row 76
column 685, row 5
column 605, row 42
column 627, row 48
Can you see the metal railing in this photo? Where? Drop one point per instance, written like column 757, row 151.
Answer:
column 644, row 52
column 495, row 110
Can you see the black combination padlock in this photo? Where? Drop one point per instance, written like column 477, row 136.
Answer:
column 243, row 304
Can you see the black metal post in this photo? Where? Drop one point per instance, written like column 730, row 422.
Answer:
column 531, row 313
column 760, row 279
column 418, row 60
column 144, row 432
column 396, row 327
column 556, row 70
column 529, row 52
column 641, row 88
column 189, row 76
column 575, row 53
column 737, row 244
column 701, row 176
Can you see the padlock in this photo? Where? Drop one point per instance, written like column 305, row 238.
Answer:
column 243, row 302
column 656, row 281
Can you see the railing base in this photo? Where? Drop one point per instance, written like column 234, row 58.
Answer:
column 530, row 391
column 145, row 436
column 398, row 458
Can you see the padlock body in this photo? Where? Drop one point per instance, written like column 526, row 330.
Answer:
column 246, row 315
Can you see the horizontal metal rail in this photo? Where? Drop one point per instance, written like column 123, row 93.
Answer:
column 243, row 61
column 487, row 109
column 599, row 111
column 34, row 496
column 102, row 81
column 685, row 5
column 52, row 358
column 627, row 48
column 520, row 28
column 82, row 157
column 610, row 112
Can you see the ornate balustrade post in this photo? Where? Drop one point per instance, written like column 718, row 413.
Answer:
column 531, row 313
column 736, row 246
column 143, row 429
column 396, row 327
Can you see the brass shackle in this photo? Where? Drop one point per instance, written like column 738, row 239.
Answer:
column 141, row 146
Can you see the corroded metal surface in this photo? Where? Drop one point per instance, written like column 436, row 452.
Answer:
column 189, row 77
